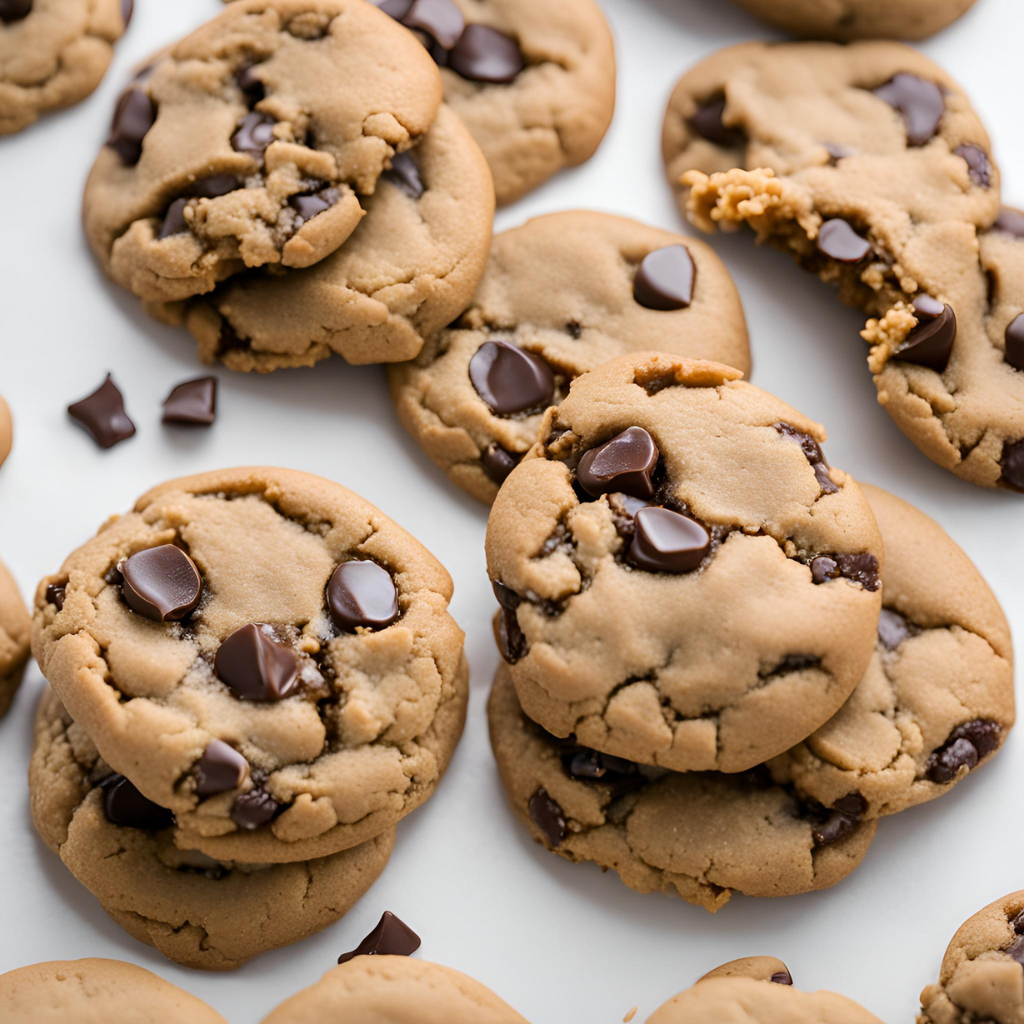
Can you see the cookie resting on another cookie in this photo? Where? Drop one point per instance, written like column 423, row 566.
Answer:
column 561, row 295
column 15, row 633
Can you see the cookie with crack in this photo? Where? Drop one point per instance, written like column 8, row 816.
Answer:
column 561, row 295
column 394, row 990
column 937, row 700
column 197, row 911
column 632, row 552
column 408, row 271
column 6, row 431
column 290, row 646
column 982, row 977
column 53, row 53
column 96, row 992
column 253, row 142
column 15, row 633
column 699, row 835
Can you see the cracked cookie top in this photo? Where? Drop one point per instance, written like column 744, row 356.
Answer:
column 683, row 579
column 266, row 655
column 253, row 141
column 15, row 633
column 937, row 700
column 561, row 295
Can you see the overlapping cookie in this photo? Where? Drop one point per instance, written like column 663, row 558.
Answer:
column 15, row 633
column 561, row 295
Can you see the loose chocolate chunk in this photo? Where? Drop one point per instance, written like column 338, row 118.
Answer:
column 255, row 666
column 391, row 937
column 979, row 170
column 930, row 343
column 665, row 279
column 625, row 465
column 510, row 379
column 192, row 403
column 484, row 54
column 440, row 19
column 161, row 584
column 838, row 241
column 782, row 978
column 1014, row 354
column 838, row 825
column 15, row 10
column 248, row 79
column 506, row 596
column 55, row 594
column 708, row 123
column 397, row 9
column 666, row 541
column 127, row 10
column 919, row 102
column 307, row 207
column 219, row 769
column 174, row 220
column 1011, row 221
column 362, row 595
column 405, row 174
column 511, row 641
column 253, row 809
column 893, row 629
column 1012, row 465
column 102, row 415
column 548, row 817
column 255, row 133
column 133, row 117
column 813, row 453
column 124, row 805
column 498, row 463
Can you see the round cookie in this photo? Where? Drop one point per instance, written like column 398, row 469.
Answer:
column 298, row 665
column 575, row 290
column 96, row 992
column 394, row 990
column 936, row 701
column 406, row 273
column 197, row 911
column 846, row 20
column 981, row 977
column 15, row 633
column 6, row 431
column 683, row 579
column 699, row 835
column 53, row 53
column 251, row 143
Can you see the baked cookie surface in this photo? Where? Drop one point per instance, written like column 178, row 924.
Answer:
column 6, row 431
column 15, row 634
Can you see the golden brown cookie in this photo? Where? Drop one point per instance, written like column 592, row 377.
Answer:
column 6, row 431
column 15, row 632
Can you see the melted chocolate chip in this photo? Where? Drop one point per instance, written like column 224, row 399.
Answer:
column 15, row 10
column 397, row 9
column 254, row 809
column 221, row 768
column 254, row 134
column 255, row 666
column 102, row 415
column 893, row 629
column 55, row 595
column 307, row 207
column 440, row 19
column 127, row 10
column 161, row 584
column 548, row 817
column 782, row 978
column 505, row 596
column 213, row 186
column 249, row 82
column 192, row 403
column 919, row 102
column 124, row 805
column 836, row 826
column 837, row 240
column 978, row 167
column 625, row 465
column 174, row 220
column 362, row 595
column 966, row 746
column 1014, row 336
column 1011, row 221
column 862, row 569
column 484, row 54
column 930, row 343
column 510, row 379
column 813, row 453
column 498, row 463
column 853, row 804
column 133, row 117
column 1012, row 465
column 665, row 279
column 708, row 123
column 404, row 174
column 1015, row 950
column 511, row 641
column 665, row 541
column 391, row 937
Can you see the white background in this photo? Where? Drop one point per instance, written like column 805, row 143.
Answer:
column 561, row 942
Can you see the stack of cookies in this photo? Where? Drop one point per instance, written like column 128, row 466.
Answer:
column 255, row 678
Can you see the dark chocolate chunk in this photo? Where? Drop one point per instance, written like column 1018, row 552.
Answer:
column 853, row 804
column 1014, row 354
column 665, row 279
column 498, row 463
column 1011, row 221
column 397, row 9
column 824, row 568
column 405, row 174
column 213, row 186
column 837, row 825
column 708, row 123
column 861, row 568
column 813, row 453
column 440, row 19
column 484, row 54
column 511, row 641
column 1015, row 950
column 919, row 102
column 249, row 82
column 510, row 379
column 174, row 220
column 127, row 10
column 362, row 595
column 782, row 978
column 124, row 805
column 102, row 415
column 192, row 403
column 930, row 343
column 1012, row 465
column 255, row 666
column 161, row 584
column 505, row 596
column 665, row 541
column 548, row 817
column 594, row 766
column 220, row 769
column 307, row 207
column 838, row 241
column 55, row 595
column 978, row 167
column 254, row 134
column 253, row 809
column 133, row 117
column 15, row 10
column 982, row 734
column 1018, row 923
column 391, row 937
column 893, row 629
column 625, row 465
column 966, row 746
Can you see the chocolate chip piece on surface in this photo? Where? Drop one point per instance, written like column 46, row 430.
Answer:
column 55, row 595
column 161, row 583
column 391, row 937
column 134, row 115
column 221, row 768
column 707, row 122
column 1011, row 221
column 548, row 817
column 174, row 222
column 893, row 629
column 192, row 403
column 665, row 279
column 625, row 465
column 15, row 10
column 510, row 379
column 979, row 169
column 307, row 207
column 1012, row 465
column 102, row 415
column 930, row 343
column 440, row 19
column 255, row 666
column 124, row 805
column 837, row 240
column 254, row 134
column 813, row 453
column 484, row 54
column 919, row 102
column 666, row 541
column 362, row 595
column 1014, row 337
column 405, row 174
column 498, row 463
column 254, row 809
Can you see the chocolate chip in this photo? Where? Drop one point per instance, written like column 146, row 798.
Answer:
column 838, row 241
column 979, row 170
column 1011, row 221
column 404, row 174
column 397, row 9
column 548, row 817
column 220, row 769
column 440, row 19
column 174, row 220
column 498, row 463
column 505, row 596
column 625, row 464
column 362, row 595
column 253, row 809
column 782, row 978
column 484, row 54
column 837, row 825
column 510, row 379
column 391, row 937
column 102, row 415
column 213, row 186
column 15, row 10
column 944, row 765
column 511, row 641
column 813, row 453
column 930, row 343
column 861, row 568
column 708, row 123
column 594, row 766
column 983, row 734
column 161, row 583
column 1015, row 951
column 124, row 805
column 55, row 594
column 1014, row 354
column 192, row 403
column 1017, row 924
column 853, row 804
column 919, row 102
column 255, row 666
column 665, row 279
column 824, row 568
column 133, row 117
column 254, row 134
column 893, row 629
column 307, row 207
column 127, row 10
column 1012, row 465
column 249, row 82
column 665, row 541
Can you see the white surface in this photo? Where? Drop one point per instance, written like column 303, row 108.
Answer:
column 562, row 943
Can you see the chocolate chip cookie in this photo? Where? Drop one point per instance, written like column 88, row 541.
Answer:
column 561, row 295
column 96, row 992
column 682, row 578
column 981, row 977
column 15, row 633
column 6, row 431
column 253, row 141
column 937, row 700
column 53, row 53
column 699, row 835
column 288, row 645
column 197, row 911
column 408, row 271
